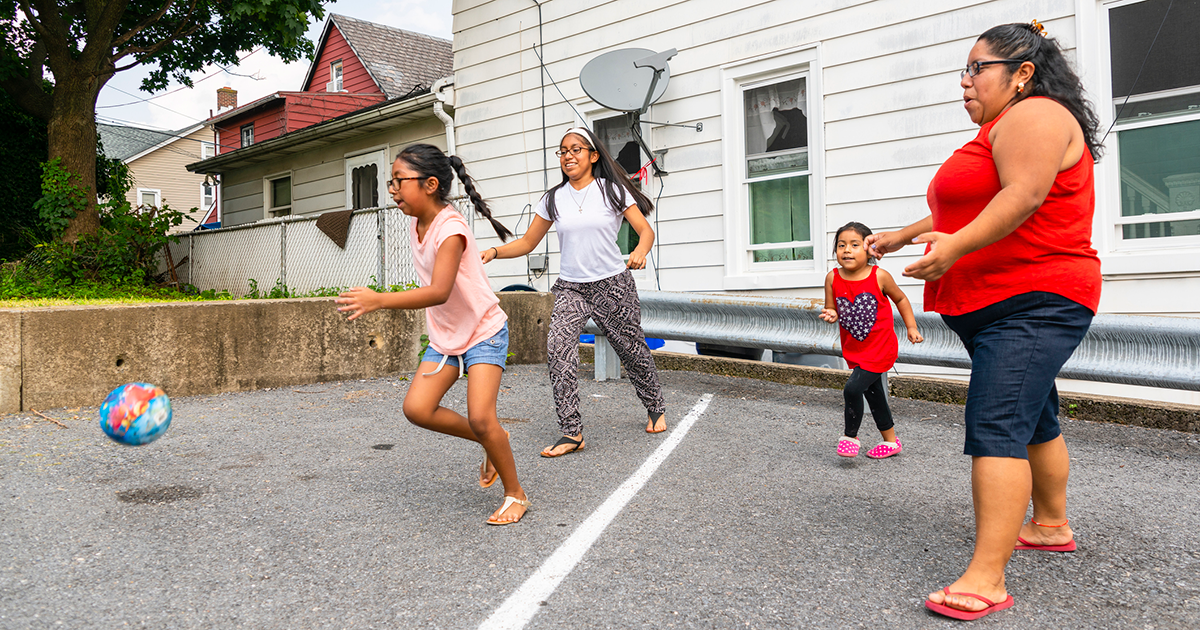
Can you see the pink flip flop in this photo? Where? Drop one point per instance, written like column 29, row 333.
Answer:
column 1025, row 544
column 969, row 615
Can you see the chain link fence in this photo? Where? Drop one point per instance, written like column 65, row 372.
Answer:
column 292, row 252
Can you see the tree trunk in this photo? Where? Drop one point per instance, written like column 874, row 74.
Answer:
column 71, row 135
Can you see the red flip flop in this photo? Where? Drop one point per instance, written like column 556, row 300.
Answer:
column 1023, row 544
column 968, row 615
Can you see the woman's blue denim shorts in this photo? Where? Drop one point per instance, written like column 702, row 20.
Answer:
column 1017, row 347
column 493, row 351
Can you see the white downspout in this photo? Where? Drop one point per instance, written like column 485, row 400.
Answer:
column 444, row 96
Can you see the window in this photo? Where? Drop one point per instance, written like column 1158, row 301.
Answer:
column 366, row 180
column 617, row 137
column 335, row 77
column 149, row 198
column 279, row 195
column 776, row 171
column 247, row 135
column 773, row 212
column 1155, row 143
column 207, row 150
column 208, row 196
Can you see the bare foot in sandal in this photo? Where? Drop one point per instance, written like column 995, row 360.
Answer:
column 513, row 509
column 564, row 445
column 656, row 423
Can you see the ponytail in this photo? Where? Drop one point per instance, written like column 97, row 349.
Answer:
column 430, row 161
column 477, row 200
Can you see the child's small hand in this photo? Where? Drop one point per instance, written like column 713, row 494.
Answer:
column 358, row 301
column 914, row 335
column 829, row 315
column 636, row 260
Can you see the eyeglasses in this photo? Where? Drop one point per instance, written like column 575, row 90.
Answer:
column 395, row 181
column 975, row 67
column 573, row 151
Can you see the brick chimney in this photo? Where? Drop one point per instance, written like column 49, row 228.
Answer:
column 226, row 98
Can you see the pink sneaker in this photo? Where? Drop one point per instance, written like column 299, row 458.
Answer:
column 883, row 450
column 848, row 446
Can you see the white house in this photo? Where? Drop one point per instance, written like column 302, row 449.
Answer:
column 876, row 83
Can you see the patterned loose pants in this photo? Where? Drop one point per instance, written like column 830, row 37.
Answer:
column 613, row 303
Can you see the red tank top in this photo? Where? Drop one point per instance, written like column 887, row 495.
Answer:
column 865, row 322
column 1051, row 251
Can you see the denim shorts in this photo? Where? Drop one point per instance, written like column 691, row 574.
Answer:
column 493, row 351
column 1017, row 347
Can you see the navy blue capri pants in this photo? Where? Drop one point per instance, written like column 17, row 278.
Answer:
column 1017, row 347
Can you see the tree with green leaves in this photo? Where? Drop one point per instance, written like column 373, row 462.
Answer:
column 83, row 43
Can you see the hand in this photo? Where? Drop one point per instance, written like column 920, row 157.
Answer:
column 358, row 301
column 829, row 315
column 914, row 336
column 942, row 255
column 488, row 255
column 636, row 260
column 882, row 243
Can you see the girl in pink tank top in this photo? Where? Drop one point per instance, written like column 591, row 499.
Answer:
column 463, row 317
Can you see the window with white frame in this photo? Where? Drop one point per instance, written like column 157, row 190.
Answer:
column 208, row 196
column 1154, row 147
column 278, row 192
column 149, row 198
column 772, row 186
column 366, row 180
column 247, row 135
column 207, row 150
column 335, row 77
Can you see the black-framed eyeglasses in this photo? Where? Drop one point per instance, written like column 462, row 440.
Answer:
column 395, row 181
column 572, row 151
column 975, row 67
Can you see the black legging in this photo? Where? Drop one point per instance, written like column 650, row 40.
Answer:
column 869, row 384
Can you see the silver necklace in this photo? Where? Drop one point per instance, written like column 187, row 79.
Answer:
column 579, row 202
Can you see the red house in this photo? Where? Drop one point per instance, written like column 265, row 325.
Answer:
column 358, row 64
column 370, row 90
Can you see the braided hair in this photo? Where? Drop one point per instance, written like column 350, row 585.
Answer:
column 1052, row 75
column 430, row 161
column 614, row 177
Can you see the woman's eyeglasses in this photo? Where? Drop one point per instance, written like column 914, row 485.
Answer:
column 975, row 67
column 572, row 151
column 396, row 181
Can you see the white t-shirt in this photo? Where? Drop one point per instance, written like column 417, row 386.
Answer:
column 587, row 231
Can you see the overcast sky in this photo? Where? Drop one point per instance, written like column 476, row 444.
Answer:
column 121, row 100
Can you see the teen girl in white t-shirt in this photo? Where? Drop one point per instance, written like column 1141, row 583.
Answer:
column 594, row 280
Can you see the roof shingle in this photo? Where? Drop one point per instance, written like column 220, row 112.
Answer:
column 397, row 59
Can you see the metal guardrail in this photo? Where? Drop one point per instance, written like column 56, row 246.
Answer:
column 1128, row 349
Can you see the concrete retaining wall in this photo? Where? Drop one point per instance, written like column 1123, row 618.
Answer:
column 73, row 356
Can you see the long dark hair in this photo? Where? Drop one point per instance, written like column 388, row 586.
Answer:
column 1052, row 75
column 614, row 176
column 429, row 161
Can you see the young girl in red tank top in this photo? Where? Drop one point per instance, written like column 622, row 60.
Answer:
column 854, row 298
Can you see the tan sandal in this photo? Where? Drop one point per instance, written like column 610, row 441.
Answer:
column 508, row 501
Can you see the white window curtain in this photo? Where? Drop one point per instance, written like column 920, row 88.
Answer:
column 764, row 122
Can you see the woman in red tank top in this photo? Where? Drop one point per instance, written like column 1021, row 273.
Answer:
column 1010, row 267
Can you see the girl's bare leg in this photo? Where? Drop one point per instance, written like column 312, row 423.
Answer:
column 889, row 435
column 482, row 388
column 423, row 403
column 1000, row 487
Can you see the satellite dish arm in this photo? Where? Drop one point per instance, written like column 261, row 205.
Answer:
column 657, row 63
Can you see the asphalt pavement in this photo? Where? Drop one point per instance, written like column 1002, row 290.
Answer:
column 320, row 506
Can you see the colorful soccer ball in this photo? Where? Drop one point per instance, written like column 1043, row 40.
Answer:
column 135, row 414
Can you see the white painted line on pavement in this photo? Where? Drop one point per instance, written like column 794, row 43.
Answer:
column 521, row 606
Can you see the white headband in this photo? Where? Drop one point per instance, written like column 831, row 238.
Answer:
column 580, row 131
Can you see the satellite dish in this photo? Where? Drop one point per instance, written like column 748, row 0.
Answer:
column 627, row 80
